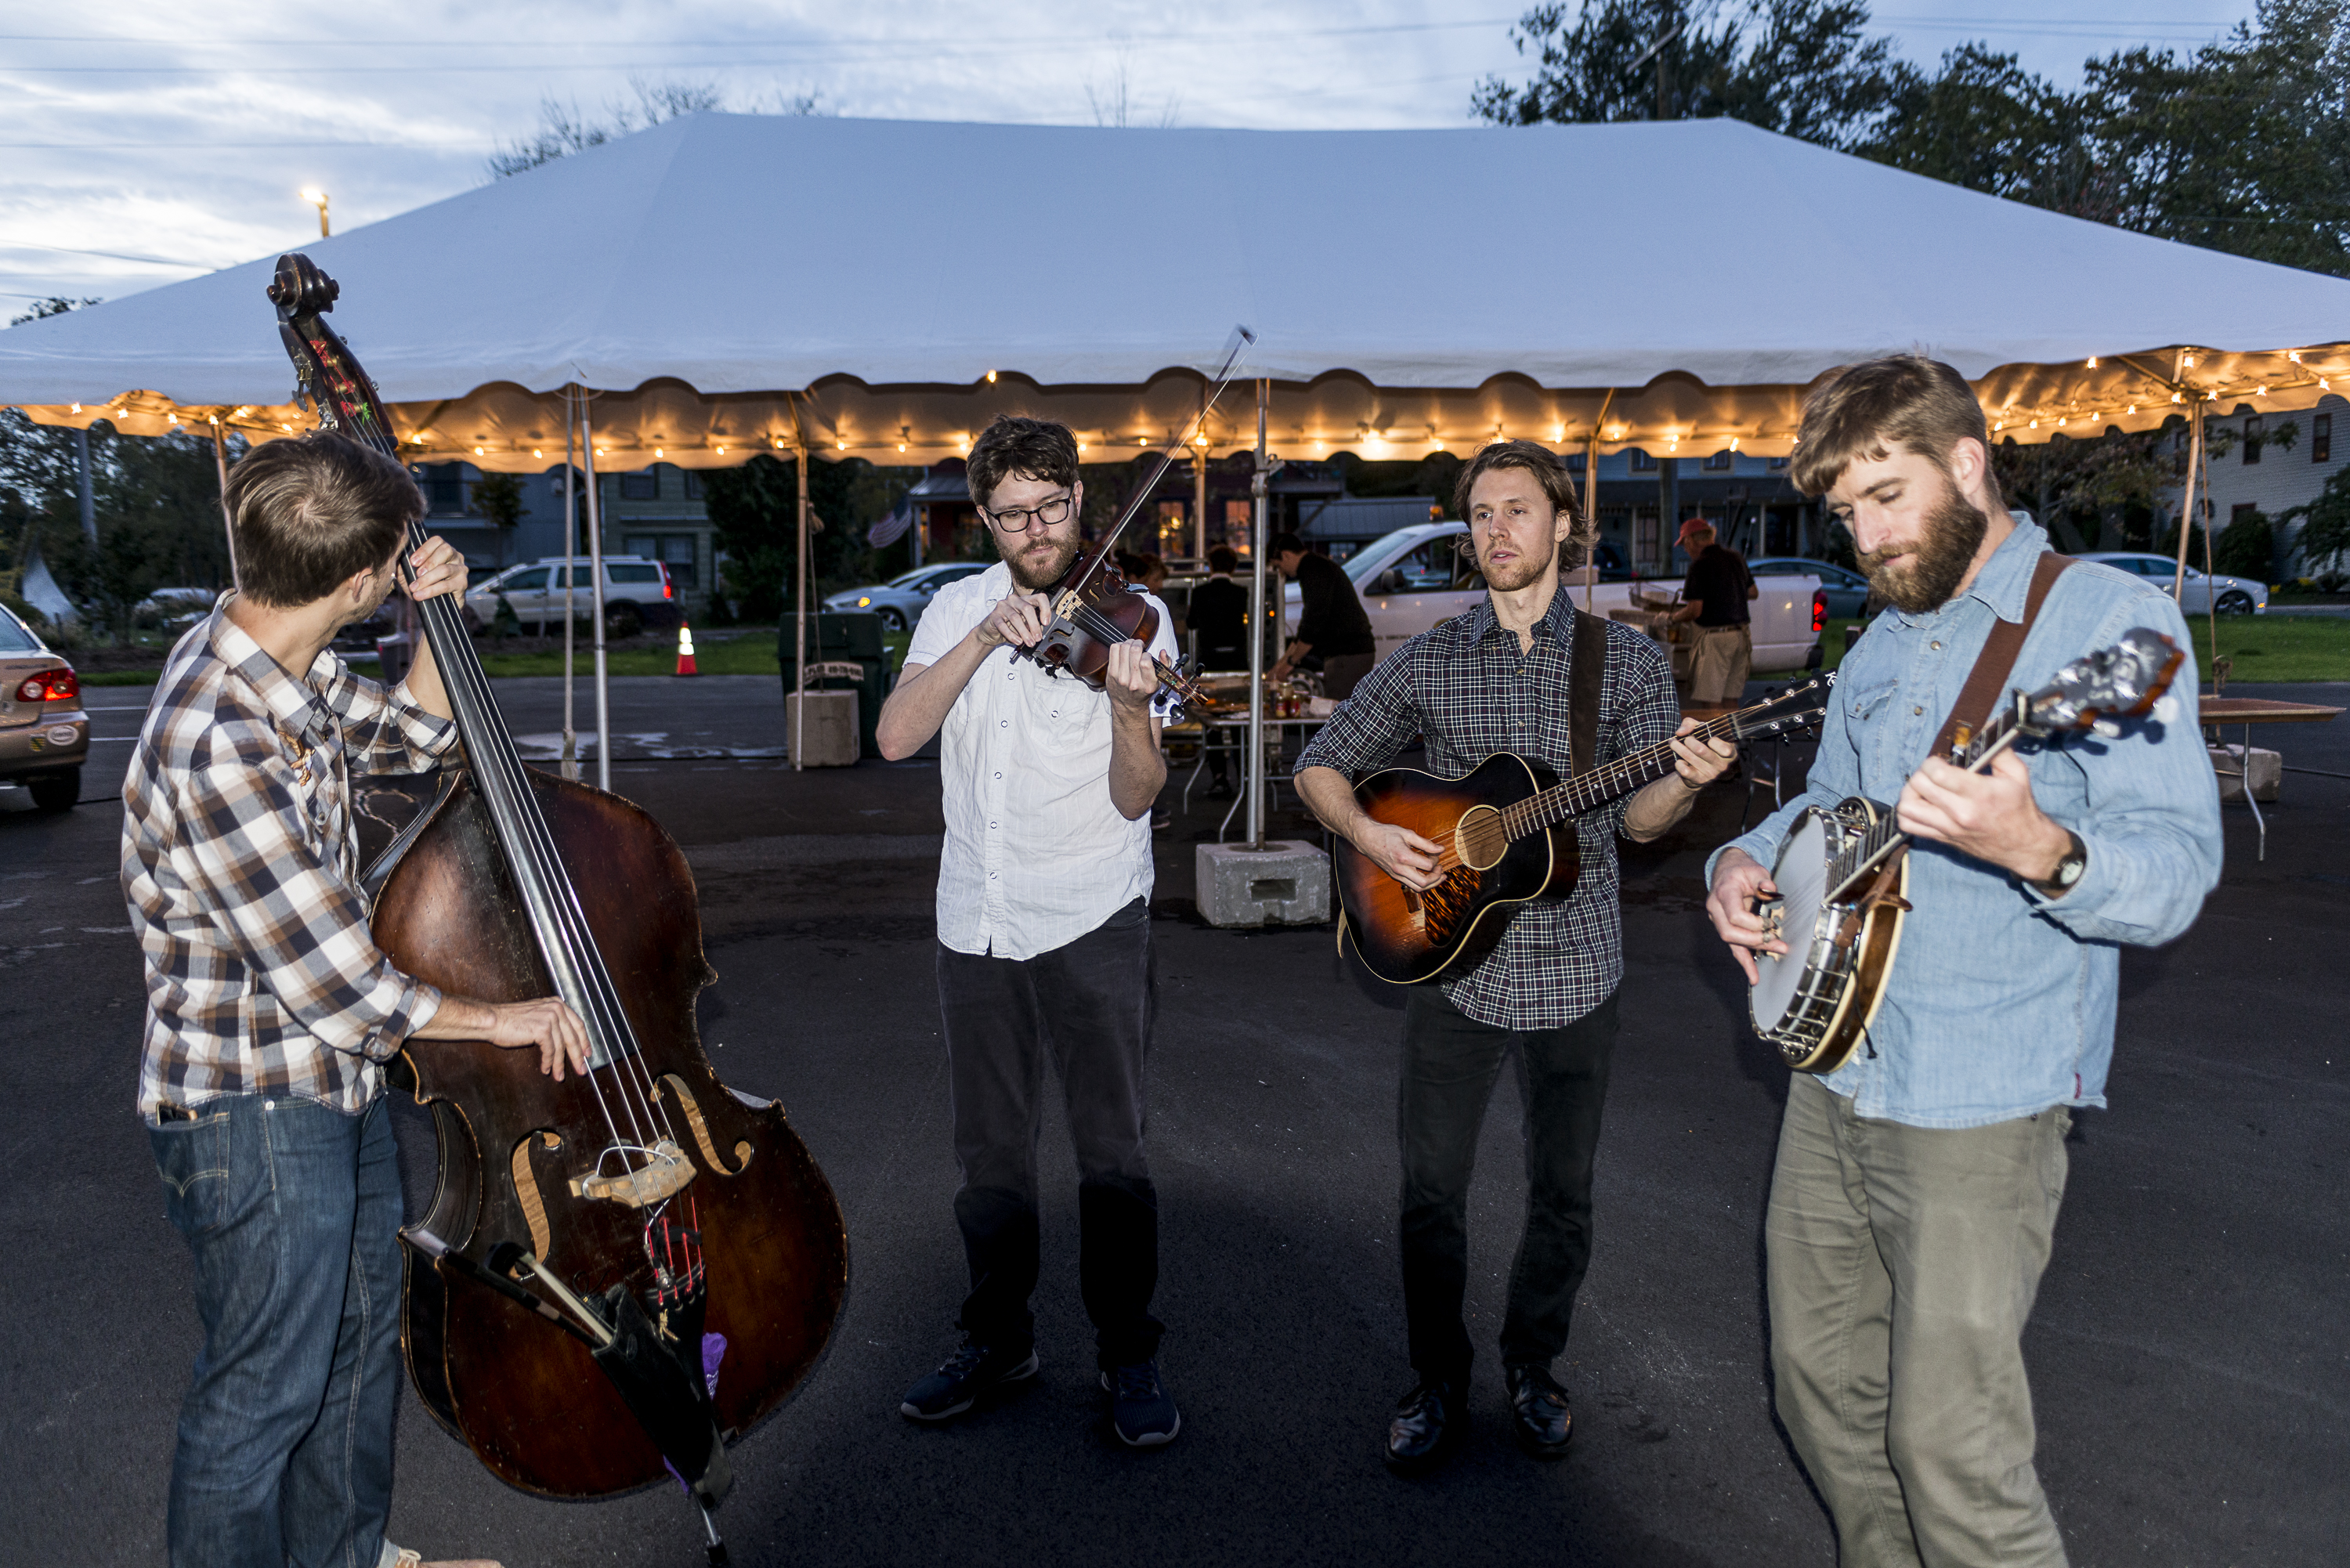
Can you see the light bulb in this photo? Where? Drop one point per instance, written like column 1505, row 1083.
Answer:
column 840, row 446
column 477, row 452
column 658, row 452
column 77, row 408
column 990, row 377
column 2294, row 356
column 2093, row 362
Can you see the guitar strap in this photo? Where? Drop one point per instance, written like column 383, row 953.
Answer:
column 1987, row 682
column 1586, row 672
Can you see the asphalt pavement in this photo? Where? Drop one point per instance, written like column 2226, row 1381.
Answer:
column 2191, row 1375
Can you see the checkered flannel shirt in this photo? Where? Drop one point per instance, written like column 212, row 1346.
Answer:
column 243, row 876
column 1465, row 690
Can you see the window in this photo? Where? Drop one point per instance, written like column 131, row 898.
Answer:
column 1648, row 541
column 643, row 486
column 443, row 484
column 1777, row 463
column 1436, row 566
column 1575, row 462
column 2254, row 427
column 1718, row 462
column 2321, row 438
column 677, row 553
column 693, row 485
column 1642, row 463
column 530, row 581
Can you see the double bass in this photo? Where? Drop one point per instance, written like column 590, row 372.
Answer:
column 621, row 1272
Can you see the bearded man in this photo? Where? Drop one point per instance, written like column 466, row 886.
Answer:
column 1044, row 920
column 1500, row 679
column 1914, row 1199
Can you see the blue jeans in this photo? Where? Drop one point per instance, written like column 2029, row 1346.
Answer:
column 292, row 1210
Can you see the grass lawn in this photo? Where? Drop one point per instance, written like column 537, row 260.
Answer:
column 2263, row 647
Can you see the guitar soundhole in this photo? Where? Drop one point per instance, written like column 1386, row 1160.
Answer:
column 1481, row 839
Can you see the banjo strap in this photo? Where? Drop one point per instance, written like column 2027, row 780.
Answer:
column 1586, row 672
column 1988, row 680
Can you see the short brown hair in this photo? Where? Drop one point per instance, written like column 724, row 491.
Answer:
column 1549, row 470
column 313, row 511
column 1865, row 411
column 1016, row 444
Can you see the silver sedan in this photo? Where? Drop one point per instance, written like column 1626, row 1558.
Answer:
column 2233, row 596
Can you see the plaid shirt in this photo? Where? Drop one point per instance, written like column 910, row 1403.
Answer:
column 242, row 877
column 1465, row 690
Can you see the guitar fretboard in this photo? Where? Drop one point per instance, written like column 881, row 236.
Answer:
column 1573, row 796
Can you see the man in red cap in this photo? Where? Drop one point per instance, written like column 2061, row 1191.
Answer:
column 1715, row 596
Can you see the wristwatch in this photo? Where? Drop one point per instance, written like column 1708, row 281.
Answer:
column 2068, row 870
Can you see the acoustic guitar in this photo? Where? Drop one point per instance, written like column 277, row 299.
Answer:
column 1508, row 834
column 1843, row 874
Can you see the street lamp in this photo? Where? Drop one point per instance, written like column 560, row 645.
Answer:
column 318, row 199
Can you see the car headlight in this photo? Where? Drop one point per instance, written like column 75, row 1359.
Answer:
column 863, row 599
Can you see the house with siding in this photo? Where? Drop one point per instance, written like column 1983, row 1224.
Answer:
column 2259, row 471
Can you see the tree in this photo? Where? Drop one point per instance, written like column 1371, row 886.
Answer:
column 563, row 130
column 1801, row 67
column 2326, row 536
column 754, row 520
column 2246, row 548
column 498, row 498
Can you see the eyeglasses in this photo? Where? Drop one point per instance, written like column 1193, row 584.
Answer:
column 1020, row 519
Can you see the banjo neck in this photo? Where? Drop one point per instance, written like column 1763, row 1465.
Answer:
column 1871, row 849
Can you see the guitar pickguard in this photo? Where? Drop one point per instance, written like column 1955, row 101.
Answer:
column 1443, row 913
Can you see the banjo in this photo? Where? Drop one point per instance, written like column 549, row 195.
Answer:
column 1843, row 874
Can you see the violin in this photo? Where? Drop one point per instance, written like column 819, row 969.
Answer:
column 623, row 1272
column 1094, row 609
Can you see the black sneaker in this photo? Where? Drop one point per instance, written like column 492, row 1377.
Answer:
column 1139, row 1409
column 967, row 1374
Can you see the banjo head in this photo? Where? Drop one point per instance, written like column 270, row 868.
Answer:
column 1801, row 874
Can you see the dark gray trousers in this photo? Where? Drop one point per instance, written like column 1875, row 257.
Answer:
column 1450, row 1063
column 1089, row 1004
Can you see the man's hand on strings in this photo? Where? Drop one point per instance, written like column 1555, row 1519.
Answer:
column 1129, row 677
column 1018, row 618
column 547, row 1023
column 1991, row 817
column 1401, row 853
column 1699, row 762
column 1740, row 881
column 436, row 569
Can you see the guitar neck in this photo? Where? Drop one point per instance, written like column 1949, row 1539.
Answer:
column 1586, row 792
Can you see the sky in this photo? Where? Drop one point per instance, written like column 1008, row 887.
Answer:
column 139, row 145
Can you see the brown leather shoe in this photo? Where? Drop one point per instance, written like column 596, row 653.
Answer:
column 409, row 1558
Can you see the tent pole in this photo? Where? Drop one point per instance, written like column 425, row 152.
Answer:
column 81, row 479
column 1200, row 484
column 799, row 640
column 1591, row 504
column 596, row 578
column 2186, row 499
column 1258, row 536
column 570, row 587
column 220, row 461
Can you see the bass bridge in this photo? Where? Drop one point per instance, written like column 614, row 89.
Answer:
column 664, row 1175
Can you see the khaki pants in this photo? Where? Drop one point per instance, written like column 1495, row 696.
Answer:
column 1902, row 1262
column 1725, row 654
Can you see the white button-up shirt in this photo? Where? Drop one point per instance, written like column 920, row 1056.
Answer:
column 1037, row 855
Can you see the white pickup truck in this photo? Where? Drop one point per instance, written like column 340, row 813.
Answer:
column 1416, row 576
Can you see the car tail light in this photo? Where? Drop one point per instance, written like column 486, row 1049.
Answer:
column 1819, row 609
column 49, row 685
column 669, row 589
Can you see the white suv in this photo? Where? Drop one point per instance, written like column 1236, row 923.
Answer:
column 638, row 593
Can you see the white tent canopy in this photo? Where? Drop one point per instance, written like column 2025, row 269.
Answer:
column 883, row 287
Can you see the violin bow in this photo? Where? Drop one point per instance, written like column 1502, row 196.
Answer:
column 1235, row 347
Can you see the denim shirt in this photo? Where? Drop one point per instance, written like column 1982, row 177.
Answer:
column 2001, row 1001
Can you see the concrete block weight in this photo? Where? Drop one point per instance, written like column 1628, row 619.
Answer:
column 831, row 736
column 2264, row 772
column 1283, row 884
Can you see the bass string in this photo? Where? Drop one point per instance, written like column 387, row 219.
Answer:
column 536, row 860
column 500, row 770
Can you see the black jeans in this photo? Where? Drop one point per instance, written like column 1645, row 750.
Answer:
column 1090, row 1005
column 1450, row 1063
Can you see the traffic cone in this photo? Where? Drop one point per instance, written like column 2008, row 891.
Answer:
column 685, row 664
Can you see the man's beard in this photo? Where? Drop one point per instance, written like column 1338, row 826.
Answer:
column 1522, row 573
column 1953, row 533
column 1055, row 566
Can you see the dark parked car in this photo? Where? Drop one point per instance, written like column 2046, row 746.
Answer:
column 1845, row 589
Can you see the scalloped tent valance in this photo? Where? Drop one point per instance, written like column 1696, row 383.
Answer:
column 734, row 284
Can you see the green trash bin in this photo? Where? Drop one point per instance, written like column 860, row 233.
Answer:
column 845, row 653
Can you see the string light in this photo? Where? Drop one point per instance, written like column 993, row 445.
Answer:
column 990, row 377
column 477, row 452
column 2189, row 361
column 536, row 453
column 658, row 452
column 840, row 446
column 77, row 408
column 2093, row 362
column 2294, row 356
